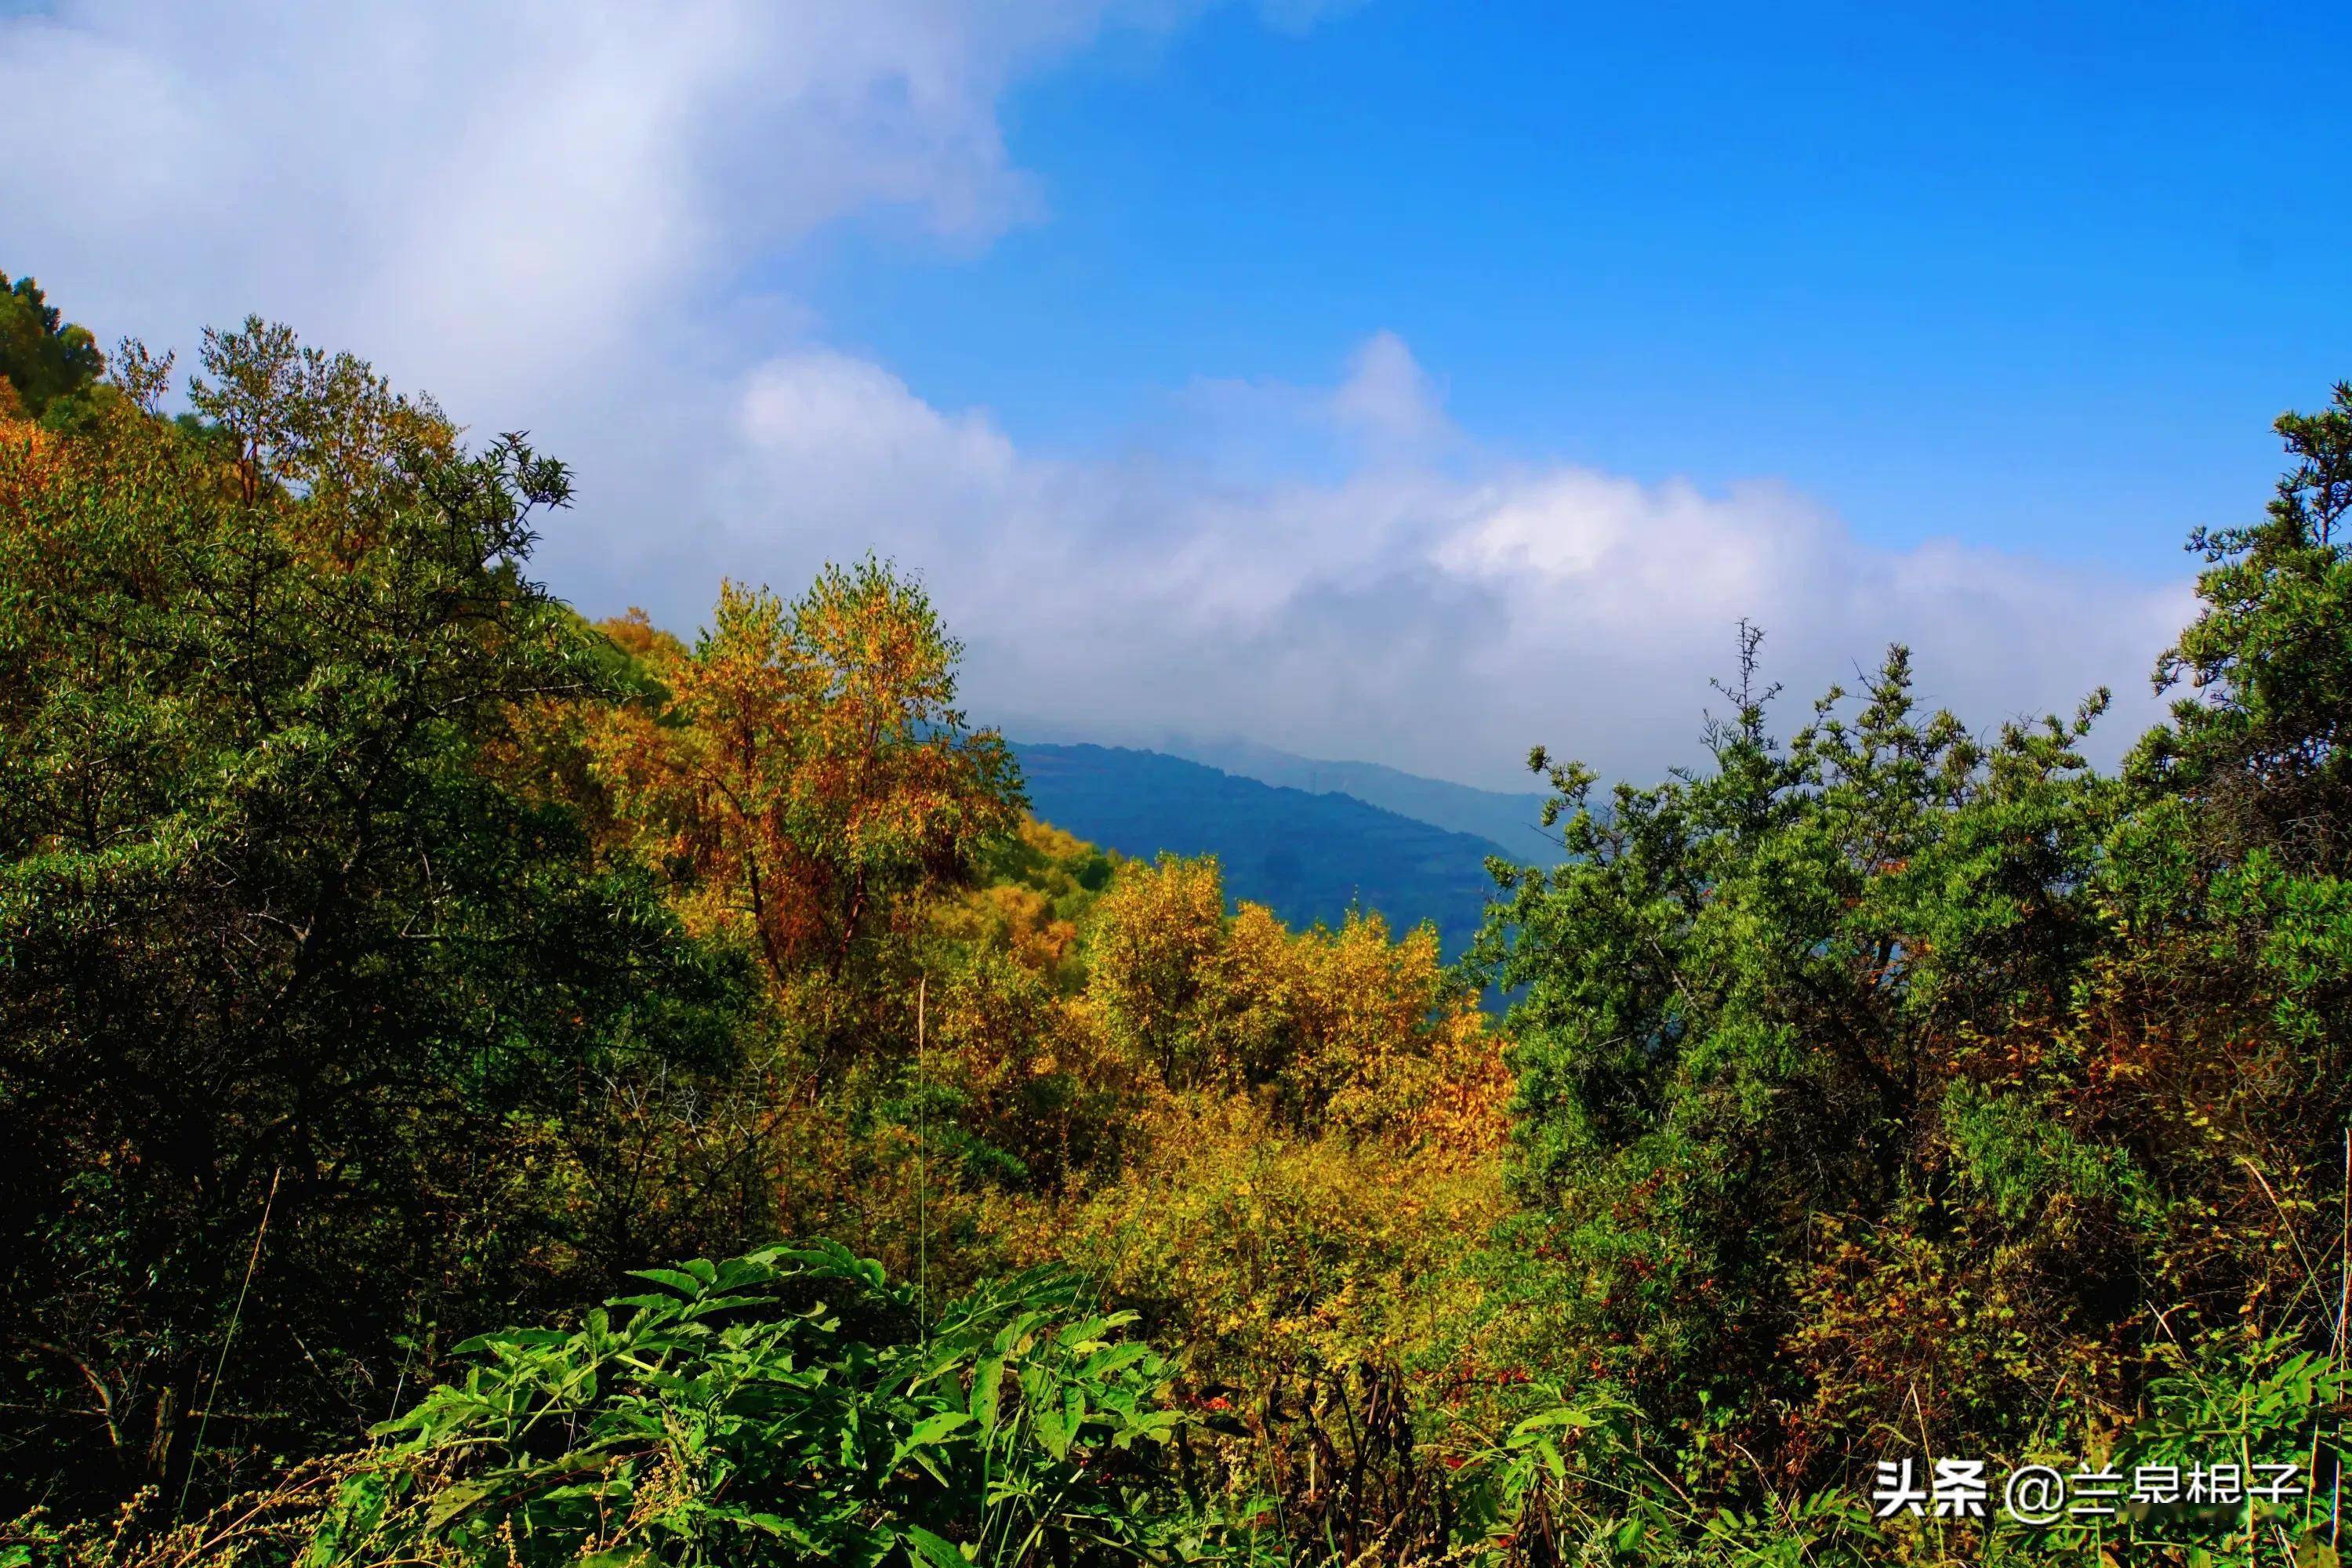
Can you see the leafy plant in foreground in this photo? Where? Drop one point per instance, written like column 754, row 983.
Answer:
column 783, row 1408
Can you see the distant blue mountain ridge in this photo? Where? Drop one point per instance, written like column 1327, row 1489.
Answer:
column 1512, row 820
column 1308, row 855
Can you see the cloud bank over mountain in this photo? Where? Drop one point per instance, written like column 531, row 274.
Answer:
column 1434, row 606
column 574, row 217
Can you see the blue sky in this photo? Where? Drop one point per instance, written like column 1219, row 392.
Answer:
column 2033, row 275
column 1384, row 380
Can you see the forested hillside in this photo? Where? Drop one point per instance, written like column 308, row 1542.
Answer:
column 1509, row 821
column 491, row 1087
column 1308, row 857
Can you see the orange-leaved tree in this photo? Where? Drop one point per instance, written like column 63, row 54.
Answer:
column 803, row 774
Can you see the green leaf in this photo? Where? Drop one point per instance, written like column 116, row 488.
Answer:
column 685, row 1284
column 931, row 1429
column 936, row 1551
column 925, row 1434
column 1114, row 1359
column 1050, row 1430
column 987, row 1394
column 1155, row 1426
column 457, row 1498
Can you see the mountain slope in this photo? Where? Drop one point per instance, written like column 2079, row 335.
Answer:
column 1309, row 856
column 1507, row 819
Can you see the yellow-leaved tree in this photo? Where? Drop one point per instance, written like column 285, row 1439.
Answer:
column 1306, row 1192
column 809, row 782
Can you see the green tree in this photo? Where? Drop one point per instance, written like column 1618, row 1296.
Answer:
column 1897, row 1091
column 2262, row 737
column 44, row 360
column 1745, row 990
column 295, row 995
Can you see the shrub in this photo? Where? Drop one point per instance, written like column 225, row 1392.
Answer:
column 787, row 1406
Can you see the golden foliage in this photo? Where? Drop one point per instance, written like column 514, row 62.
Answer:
column 807, row 780
column 1346, row 1032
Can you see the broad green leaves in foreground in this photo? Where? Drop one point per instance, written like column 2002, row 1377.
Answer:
column 784, row 1407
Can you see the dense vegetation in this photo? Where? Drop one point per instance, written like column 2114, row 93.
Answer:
column 1307, row 856
column 489, row 1087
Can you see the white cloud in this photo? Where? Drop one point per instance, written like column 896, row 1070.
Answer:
column 1388, row 395
column 563, row 214
column 491, row 197
column 1441, row 615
